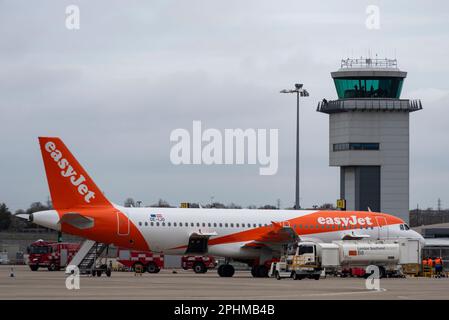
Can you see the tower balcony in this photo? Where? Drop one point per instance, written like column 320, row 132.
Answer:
column 367, row 104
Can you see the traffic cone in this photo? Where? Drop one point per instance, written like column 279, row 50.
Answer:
column 12, row 272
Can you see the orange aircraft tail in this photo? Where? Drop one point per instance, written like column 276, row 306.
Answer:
column 70, row 185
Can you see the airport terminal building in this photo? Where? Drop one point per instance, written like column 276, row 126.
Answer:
column 369, row 135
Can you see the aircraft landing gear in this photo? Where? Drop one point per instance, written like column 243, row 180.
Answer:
column 226, row 270
column 259, row 271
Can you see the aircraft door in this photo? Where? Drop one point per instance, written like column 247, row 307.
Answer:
column 123, row 225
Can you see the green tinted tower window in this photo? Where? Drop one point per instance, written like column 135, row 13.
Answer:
column 367, row 87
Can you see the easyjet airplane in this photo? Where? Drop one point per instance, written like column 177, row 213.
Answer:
column 251, row 236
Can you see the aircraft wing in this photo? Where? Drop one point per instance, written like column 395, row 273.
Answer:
column 277, row 235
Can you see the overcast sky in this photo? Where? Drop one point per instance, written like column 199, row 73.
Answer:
column 136, row 70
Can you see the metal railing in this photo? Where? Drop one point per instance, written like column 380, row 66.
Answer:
column 343, row 105
column 368, row 63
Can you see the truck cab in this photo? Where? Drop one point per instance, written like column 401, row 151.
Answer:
column 299, row 261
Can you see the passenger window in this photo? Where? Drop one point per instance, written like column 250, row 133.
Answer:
column 232, row 225
column 174, row 224
column 226, row 225
column 140, row 223
column 197, row 224
column 237, row 225
column 180, row 224
column 249, row 225
column 163, row 224
column 204, row 224
column 260, row 225
column 146, row 224
column 209, row 224
column 192, row 224
column 221, row 225
column 152, row 223
column 215, row 224
column 157, row 224
column 254, row 225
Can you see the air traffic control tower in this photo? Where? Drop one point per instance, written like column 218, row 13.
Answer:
column 369, row 135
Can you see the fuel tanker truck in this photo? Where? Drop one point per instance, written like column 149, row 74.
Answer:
column 301, row 260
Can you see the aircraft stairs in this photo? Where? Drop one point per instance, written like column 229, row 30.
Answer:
column 90, row 260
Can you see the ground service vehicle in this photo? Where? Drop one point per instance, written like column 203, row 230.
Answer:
column 199, row 264
column 143, row 260
column 50, row 254
column 154, row 262
column 311, row 259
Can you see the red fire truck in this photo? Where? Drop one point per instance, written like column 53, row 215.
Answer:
column 50, row 254
column 199, row 264
column 153, row 262
column 143, row 260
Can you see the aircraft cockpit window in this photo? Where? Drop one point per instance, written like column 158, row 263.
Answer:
column 406, row 227
column 401, row 226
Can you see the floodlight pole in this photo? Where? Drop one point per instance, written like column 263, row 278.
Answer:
column 303, row 93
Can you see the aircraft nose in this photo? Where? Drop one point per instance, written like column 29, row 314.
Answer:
column 48, row 219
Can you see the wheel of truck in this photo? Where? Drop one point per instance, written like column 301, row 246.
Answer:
column 295, row 276
column 138, row 267
column 199, row 267
column 53, row 267
column 99, row 272
column 316, row 277
column 152, row 267
column 34, row 267
column 108, row 272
